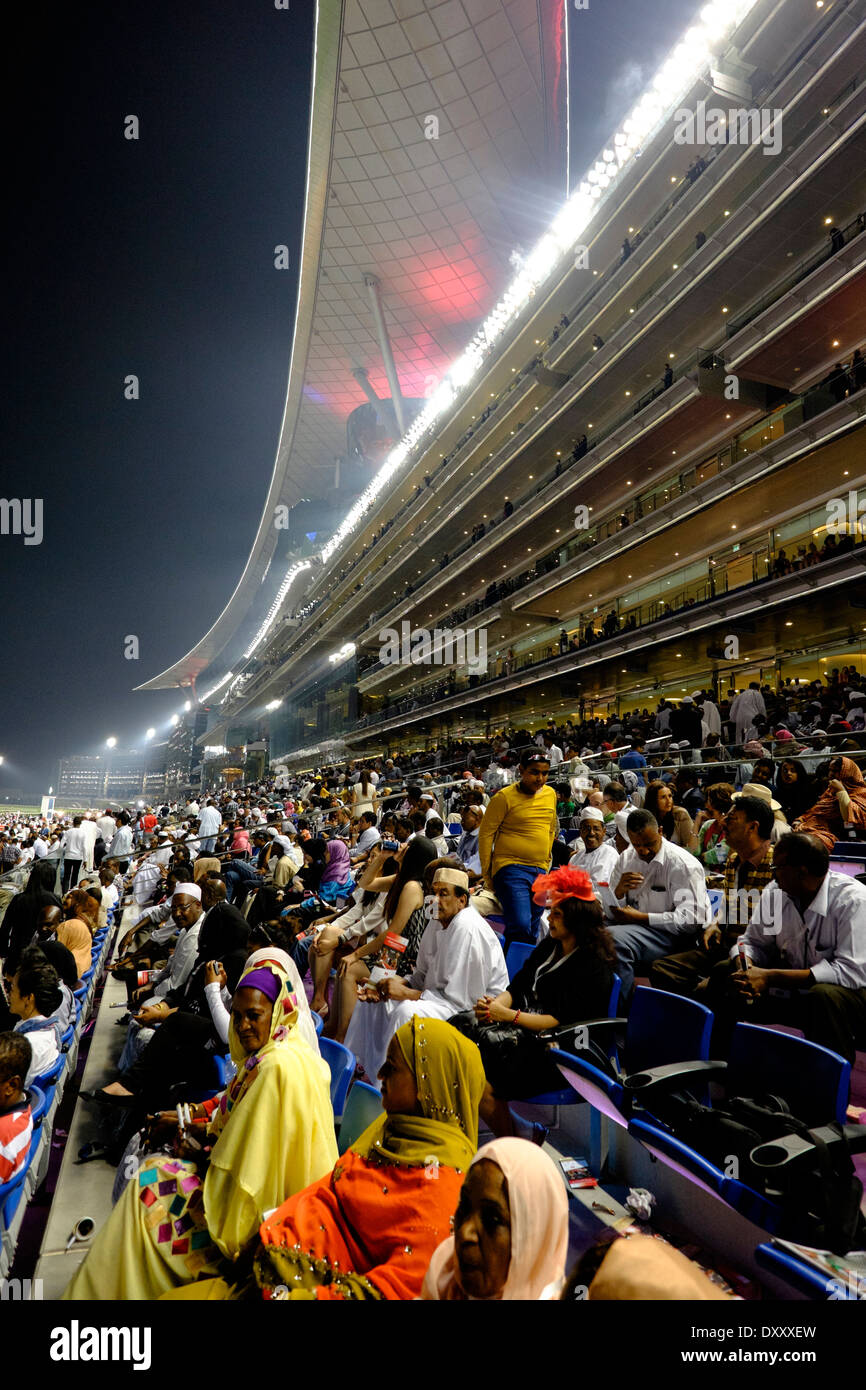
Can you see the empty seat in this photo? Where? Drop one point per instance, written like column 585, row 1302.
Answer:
column 363, row 1107
column 341, row 1063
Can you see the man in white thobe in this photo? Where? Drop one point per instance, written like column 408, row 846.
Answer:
column 459, row 960
column 745, row 709
column 90, row 832
column 710, row 716
column 593, row 851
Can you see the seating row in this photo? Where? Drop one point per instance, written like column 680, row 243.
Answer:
column 45, row 1095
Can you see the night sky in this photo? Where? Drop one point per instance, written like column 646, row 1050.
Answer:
column 155, row 257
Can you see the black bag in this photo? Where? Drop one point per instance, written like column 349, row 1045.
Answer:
column 820, row 1197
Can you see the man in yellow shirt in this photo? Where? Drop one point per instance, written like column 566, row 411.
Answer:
column 515, row 842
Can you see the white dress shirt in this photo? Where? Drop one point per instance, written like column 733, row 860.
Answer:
column 209, row 822
column 121, row 844
column 75, row 843
column 44, row 1052
column 673, row 892
column 829, row 939
column 179, row 968
column 366, row 840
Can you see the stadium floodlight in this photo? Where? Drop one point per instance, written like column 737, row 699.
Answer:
column 175, row 719
column 670, row 85
column 151, row 733
column 111, row 742
column 273, row 704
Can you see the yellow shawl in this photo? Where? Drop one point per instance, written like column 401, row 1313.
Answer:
column 450, row 1079
column 280, row 1140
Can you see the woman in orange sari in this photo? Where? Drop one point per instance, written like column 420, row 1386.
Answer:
column 369, row 1229
column 843, row 803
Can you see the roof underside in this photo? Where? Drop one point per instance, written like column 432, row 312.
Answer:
column 433, row 208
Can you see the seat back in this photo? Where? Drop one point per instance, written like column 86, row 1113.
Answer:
column 52, row 1075
column 342, row 1067
column 318, row 1022
column 38, row 1104
column 615, row 991
column 363, row 1107
column 516, row 956
column 665, row 1028
column 812, row 1080
column 10, row 1194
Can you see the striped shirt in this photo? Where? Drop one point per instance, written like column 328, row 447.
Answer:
column 741, row 876
column 16, row 1131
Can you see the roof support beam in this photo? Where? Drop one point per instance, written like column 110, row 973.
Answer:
column 372, row 283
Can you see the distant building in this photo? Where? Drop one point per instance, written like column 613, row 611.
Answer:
column 81, row 778
column 124, row 775
column 182, row 753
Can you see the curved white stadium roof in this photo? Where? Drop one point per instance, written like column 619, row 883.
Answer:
column 434, row 219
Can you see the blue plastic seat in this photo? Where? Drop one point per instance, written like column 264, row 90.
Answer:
column 363, row 1107
column 342, row 1066
column 318, row 1022
column 811, row 1079
column 218, row 1084
column 38, row 1105
column 50, row 1077
column 517, row 955
column 11, row 1191
column 68, row 1038
column 661, row 1028
column 816, row 1284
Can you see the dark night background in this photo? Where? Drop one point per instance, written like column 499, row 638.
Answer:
column 155, row 257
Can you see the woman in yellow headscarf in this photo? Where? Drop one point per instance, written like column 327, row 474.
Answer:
column 368, row 1230
column 272, row 1133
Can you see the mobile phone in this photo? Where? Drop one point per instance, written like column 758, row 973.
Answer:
column 742, row 959
column 577, row 1173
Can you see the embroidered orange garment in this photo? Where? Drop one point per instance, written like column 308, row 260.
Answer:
column 379, row 1222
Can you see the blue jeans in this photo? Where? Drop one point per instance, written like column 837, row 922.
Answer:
column 238, row 874
column 641, row 945
column 300, row 953
column 513, row 887
column 207, row 846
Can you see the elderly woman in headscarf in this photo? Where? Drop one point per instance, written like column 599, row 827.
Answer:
column 270, row 1133
column 510, row 1231
column 843, row 803
column 368, row 1230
